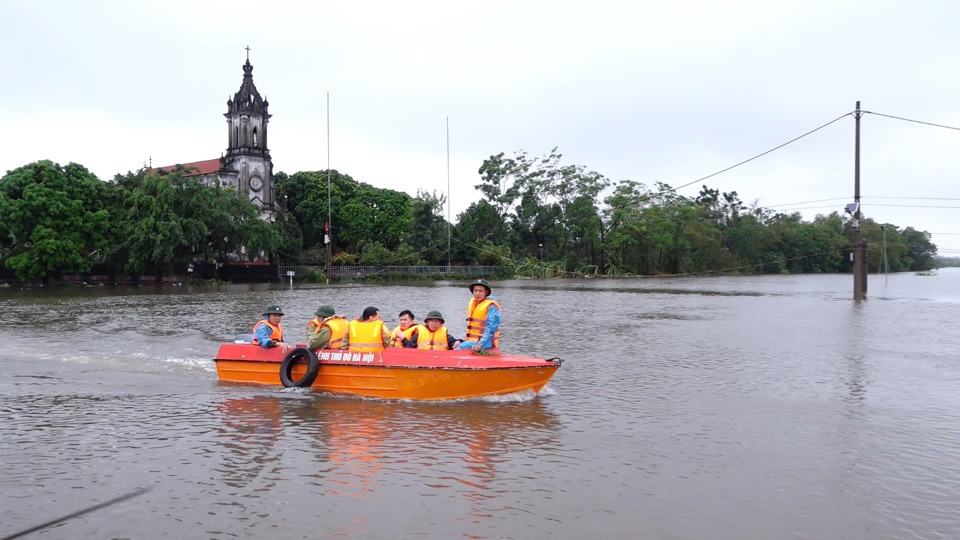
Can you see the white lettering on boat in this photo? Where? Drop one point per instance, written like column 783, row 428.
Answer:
column 339, row 356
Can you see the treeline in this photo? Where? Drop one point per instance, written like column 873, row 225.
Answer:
column 537, row 215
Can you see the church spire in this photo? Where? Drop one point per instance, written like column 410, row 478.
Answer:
column 247, row 99
column 247, row 163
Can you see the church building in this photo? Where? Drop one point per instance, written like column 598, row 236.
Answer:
column 246, row 166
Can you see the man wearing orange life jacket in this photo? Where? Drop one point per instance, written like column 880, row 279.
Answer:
column 403, row 335
column 483, row 319
column 268, row 332
column 367, row 334
column 435, row 336
column 327, row 331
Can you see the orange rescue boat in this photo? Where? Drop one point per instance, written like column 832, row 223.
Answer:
column 392, row 373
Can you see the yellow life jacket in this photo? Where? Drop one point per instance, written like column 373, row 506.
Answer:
column 366, row 336
column 477, row 320
column 432, row 341
column 276, row 331
column 398, row 335
column 338, row 330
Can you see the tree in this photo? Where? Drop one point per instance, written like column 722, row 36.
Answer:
column 52, row 220
column 427, row 232
column 478, row 225
column 920, row 249
column 151, row 228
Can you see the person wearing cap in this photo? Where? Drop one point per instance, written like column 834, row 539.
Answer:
column 327, row 330
column 268, row 332
column 435, row 336
column 483, row 318
column 403, row 334
column 366, row 334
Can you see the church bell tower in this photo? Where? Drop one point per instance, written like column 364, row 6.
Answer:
column 247, row 165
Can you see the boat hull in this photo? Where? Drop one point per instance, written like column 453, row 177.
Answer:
column 393, row 373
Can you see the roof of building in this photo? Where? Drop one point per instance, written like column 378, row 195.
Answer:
column 195, row 168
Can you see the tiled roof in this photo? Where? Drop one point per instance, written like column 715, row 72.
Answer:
column 196, row 168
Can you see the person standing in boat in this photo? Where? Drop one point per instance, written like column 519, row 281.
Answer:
column 402, row 335
column 483, row 319
column 367, row 334
column 268, row 332
column 435, row 336
column 327, row 330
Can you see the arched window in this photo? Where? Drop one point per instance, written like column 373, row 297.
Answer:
column 255, row 137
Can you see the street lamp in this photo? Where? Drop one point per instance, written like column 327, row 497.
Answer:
column 541, row 252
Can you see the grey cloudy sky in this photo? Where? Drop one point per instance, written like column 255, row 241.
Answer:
column 647, row 91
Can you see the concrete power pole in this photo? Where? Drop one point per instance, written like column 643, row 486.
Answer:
column 859, row 254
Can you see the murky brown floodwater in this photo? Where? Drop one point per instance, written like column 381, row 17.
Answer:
column 721, row 408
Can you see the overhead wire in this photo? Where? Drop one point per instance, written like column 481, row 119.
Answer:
column 795, row 139
column 912, row 120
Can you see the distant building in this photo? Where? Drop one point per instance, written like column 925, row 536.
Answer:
column 247, row 166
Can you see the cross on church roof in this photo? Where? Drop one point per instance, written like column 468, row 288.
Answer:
column 248, row 52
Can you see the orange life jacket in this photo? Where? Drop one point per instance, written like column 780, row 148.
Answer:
column 366, row 336
column 276, row 334
column 398, row 335
column 338, row 330
column 477, row 320
column 432, row 341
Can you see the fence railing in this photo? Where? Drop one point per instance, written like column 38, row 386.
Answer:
column 371, row 271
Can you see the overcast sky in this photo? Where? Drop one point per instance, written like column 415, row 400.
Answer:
column 667, row 91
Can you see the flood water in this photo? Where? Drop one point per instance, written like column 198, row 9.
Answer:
column 700, row 408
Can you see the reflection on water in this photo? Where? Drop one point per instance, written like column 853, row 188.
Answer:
column 759, row 407
column 354, row 444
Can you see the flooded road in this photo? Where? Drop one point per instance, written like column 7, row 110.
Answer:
column 722, row 408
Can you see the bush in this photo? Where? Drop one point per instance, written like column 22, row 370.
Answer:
column 343, row 259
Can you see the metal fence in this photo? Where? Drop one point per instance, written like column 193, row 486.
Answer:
column 396, row 271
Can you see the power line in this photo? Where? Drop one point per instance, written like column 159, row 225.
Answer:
column 863, row 197
column 917, row 206
column 764, row 153
column 808, row 207
column 871, row 206
column 807, row 202
column 912, row 198
column 911, row 120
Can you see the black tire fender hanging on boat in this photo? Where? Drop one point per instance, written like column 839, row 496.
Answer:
column 294, row 357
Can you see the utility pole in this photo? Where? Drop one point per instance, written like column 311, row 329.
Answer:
column 859, row 264
column 329, row 232
column 448, row 195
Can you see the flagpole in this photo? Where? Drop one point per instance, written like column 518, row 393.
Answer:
column 329, row 231
column 448, row 195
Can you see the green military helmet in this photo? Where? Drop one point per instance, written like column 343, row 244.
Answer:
column 434, row 315
column 272, row 309
column 481, row 282
column 325, row 310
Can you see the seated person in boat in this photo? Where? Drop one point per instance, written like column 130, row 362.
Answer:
column 402, row 335
column 435, row 336
column 483, row 318
column 327, row 330
column 268, row 332
column 366, row 334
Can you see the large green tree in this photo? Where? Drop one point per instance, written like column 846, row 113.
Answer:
column 52, row 220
